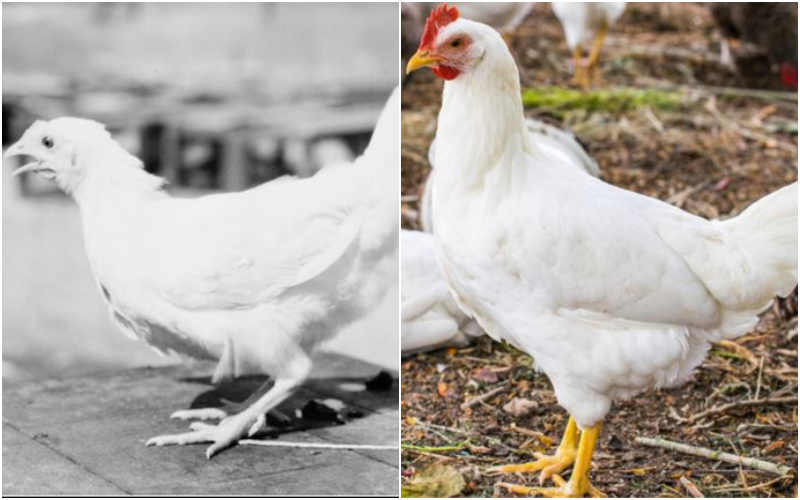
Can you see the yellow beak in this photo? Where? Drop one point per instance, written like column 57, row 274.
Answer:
column 420, row 60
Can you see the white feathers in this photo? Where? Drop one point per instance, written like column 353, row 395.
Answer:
column 429, row 314
column 256, row 279
column 431, row 318
column 611, row 292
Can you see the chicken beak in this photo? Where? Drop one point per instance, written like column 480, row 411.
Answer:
column 420, row 60
column 18, row 149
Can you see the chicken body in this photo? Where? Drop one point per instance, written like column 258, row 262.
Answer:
column 551, row 141
column 610, row 291
column 256, row 280
column 431, row 318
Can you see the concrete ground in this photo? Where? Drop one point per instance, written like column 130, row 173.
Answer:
column 86, row 436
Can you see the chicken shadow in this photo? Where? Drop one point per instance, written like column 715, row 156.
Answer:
column 309, row 407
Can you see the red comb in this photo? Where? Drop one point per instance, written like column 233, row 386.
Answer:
column 440, row 17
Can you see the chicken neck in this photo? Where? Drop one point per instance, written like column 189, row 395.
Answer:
column 481, row 123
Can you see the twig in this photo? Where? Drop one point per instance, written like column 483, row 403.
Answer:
column 483, row 397
column 760, row 94
column 755, row 487
column 653, row 119
column 747, row 402
column 760, row 374
column 336, row 446
column 458, row 447
column 769, row 95
column 678, row 199
column 711, row 107
column 780, row 470
column 691, row 488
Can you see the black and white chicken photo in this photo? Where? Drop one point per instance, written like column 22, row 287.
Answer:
column 234, row 174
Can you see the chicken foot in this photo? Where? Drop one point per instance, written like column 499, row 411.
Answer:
column 217, row 414
column 578, row 485
column 550, row 465
column 232, row 428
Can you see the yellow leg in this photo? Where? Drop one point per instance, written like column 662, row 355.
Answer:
column 550, row 465
column 594, row 55
column 578, row 485
column 579, row 77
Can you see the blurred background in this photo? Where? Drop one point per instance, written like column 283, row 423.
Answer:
column 211, row 97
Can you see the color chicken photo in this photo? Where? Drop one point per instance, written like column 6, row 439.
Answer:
column 599, row 250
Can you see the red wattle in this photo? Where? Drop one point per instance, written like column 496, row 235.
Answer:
column 445, row 72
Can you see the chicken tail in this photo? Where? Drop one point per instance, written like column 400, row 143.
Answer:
column 767, row 232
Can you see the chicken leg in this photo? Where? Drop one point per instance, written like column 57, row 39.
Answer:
column 579, row 77
column 592, row 70
column 578, row 485
column 550, row 465
column 231, row 429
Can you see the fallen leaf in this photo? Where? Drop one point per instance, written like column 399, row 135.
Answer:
column 436, row 481
column 519, row 407
column 441, row 388
column 774, row 446
column 485, row 375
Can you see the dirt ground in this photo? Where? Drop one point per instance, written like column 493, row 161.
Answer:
column 720, row 149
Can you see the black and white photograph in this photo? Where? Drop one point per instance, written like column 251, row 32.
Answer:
column 200, row 249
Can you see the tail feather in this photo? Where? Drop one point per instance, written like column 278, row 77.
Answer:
column 767, row 231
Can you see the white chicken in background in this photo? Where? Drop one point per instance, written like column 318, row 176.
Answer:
column 505, row 17
column 502, row 16
column 611, row 292
column 256, row 280
column 430, row 316
column 583, row 23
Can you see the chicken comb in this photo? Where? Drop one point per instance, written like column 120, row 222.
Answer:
column 440, row 17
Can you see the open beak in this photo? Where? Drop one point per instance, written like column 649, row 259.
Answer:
column 420, row 60
column 18, row 149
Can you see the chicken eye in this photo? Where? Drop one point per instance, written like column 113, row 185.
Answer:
column 47, row 141
column 456, row 43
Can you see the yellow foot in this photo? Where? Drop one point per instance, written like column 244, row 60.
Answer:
column 550, row 465
column 564, row 489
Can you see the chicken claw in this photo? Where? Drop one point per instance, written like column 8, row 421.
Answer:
column 550, row 465
column 224, row 435
column 563, row 489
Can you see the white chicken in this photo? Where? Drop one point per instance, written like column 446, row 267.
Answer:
column 585, row 22
column 503, row 16
column 256, row 280
column 611, row 292
column 430, row 316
